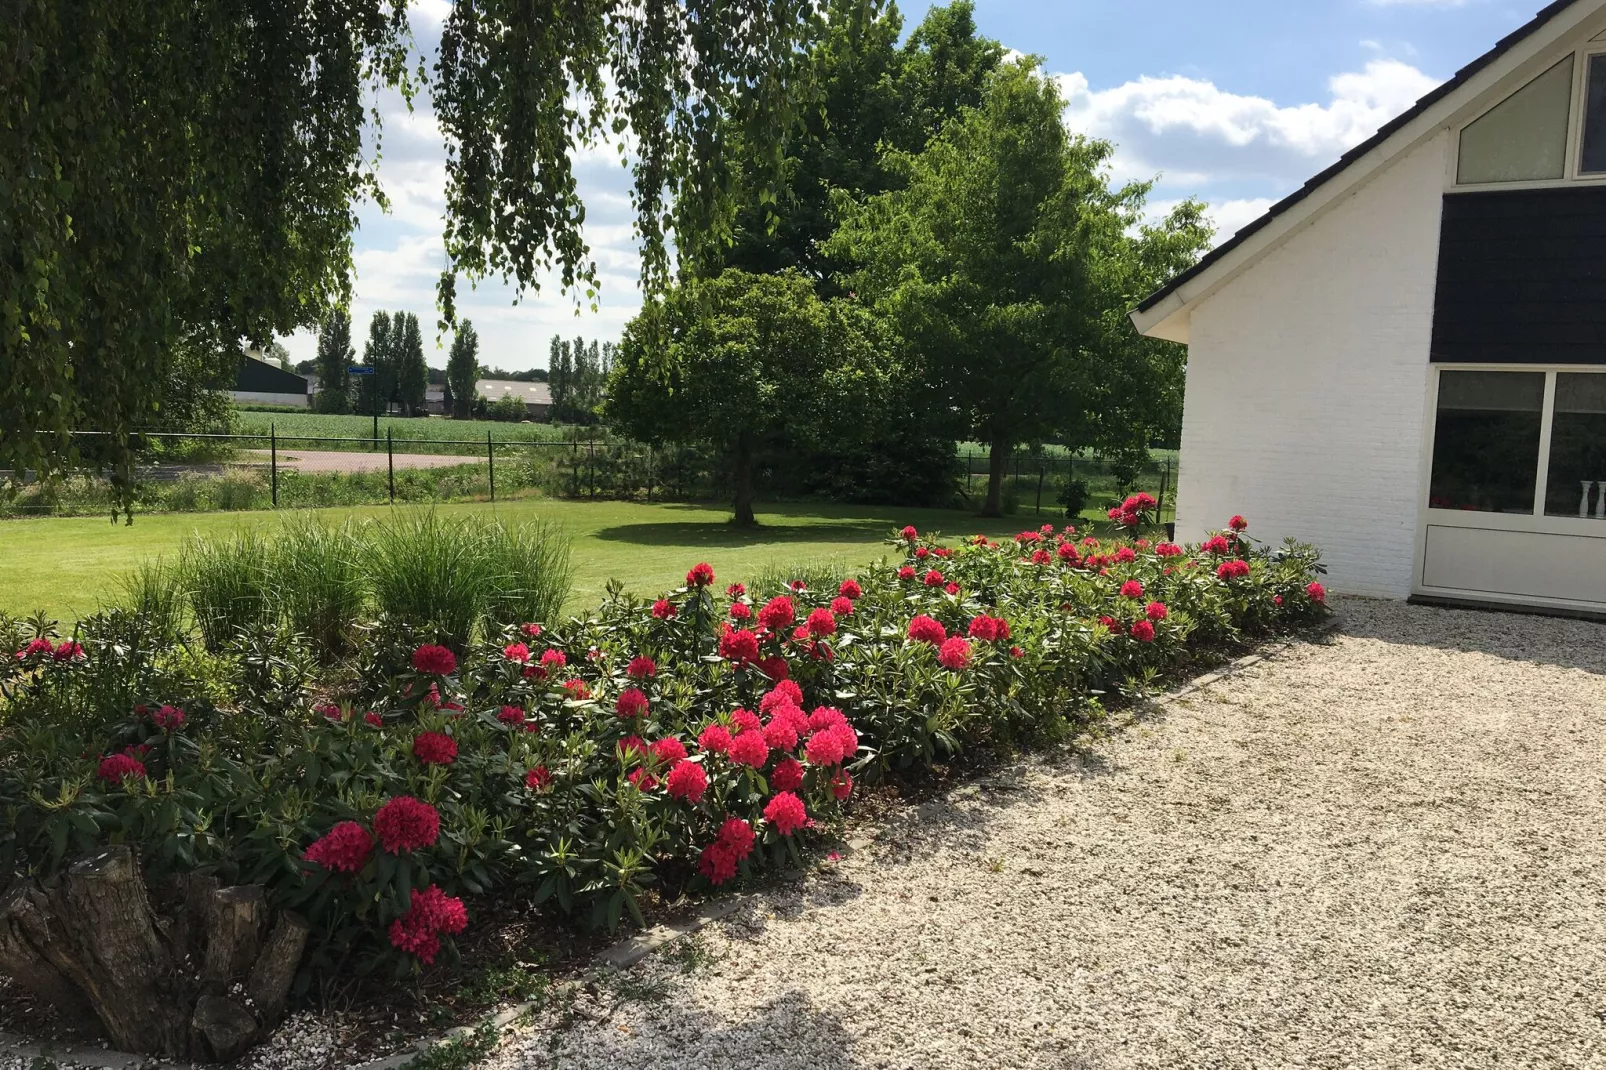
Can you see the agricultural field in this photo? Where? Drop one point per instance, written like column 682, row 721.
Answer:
column 423, row 434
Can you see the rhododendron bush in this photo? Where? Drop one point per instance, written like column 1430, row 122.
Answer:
column 652, row 746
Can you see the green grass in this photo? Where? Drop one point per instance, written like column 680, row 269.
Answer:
column 70, row 566
column 431, row 429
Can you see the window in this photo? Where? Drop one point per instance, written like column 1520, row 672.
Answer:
column 1486, row 441
column 1524, row 137
column 1593, row 157
column 1576, row 485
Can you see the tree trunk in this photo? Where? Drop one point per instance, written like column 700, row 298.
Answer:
column 997, row 466
column 743, row 479
column 93, row 948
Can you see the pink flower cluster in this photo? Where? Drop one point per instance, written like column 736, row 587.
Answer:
column 432, row 912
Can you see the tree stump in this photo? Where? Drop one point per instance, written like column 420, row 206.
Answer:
column 195, row 983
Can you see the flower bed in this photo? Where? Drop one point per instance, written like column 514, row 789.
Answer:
column 680, row 743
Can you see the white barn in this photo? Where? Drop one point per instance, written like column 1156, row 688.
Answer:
column 1404, row 362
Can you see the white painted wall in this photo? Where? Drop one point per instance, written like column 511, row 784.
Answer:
column 1307, row 381
column 263, row 397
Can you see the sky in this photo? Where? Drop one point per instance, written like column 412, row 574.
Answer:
column 1235, row 102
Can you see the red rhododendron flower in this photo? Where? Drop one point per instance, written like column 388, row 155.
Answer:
column 511, row 715
column 922, row 553
column 715, row 738
column 687, row 781
column 739, row 646
column 842, row 605
column 749, row 748
column 1125, row 554
column 910, row 534
column 663, row 609
column 40, row 647
column 781, row 733
column 1016, row 652
column 1168, row 549
column 1067, row 553
column 822, row 622
column 116, row 767
column 1276, row 599
column 531, row 631
column 824, row 748
column 1232, row 569
column 170, row 717
column 954, row 654
column 669, row 750
column 932, row 578
column 777, row 614
column 907, row 572
column 516, row 652
column 741, row 611
column 842, row 784
column 538, row 779
column 433, row 912
column 434, row 748
column 67, row 651
column 738, row 836
column 1143, row 631
column 717, row 862
column 577, row 689
column 785, row 693
column 554, row 659
column 1238, row 523
column 775, row 668
column 701, row 575
column 631, row 703
column 825, row 717
column 641, row 780
column 923, row 629
column 374, row 719
column 785, row 813
column 1111, row 624
column 850, row 589
column 1316, row 591
column 406, row 824
column 435, row 660
column 952, row 588
column 788, row 775
column 632, row 747
column 735, row 590
column 1216, row 544
column 343, row 849
column 641, row 668
column 800, row 634
column 746, row 721
column 989, row 629
column 1131, row 589
column 1156, row 611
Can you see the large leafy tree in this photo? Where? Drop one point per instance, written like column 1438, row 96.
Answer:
column 334, row 357
column 868, row 95
column 412, row 373
column 1007, row 260
column 752, row 366
column 181, row 166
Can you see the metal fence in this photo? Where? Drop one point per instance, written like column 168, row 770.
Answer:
column 183, row 472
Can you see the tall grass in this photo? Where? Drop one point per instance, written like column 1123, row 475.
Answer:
column 446, row 577
column 228, row 585
column 775, row 578
column 154, row 593
column 318, row 581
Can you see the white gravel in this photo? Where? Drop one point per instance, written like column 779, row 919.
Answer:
column 1383, row 851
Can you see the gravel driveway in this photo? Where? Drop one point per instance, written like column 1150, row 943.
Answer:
column 1385, row 850
column 352, row 461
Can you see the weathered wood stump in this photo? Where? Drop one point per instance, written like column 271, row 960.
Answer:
column 195, row 981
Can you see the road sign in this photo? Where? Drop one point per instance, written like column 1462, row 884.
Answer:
column 360, row 371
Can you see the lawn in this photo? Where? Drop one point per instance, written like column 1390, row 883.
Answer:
column 69, row 566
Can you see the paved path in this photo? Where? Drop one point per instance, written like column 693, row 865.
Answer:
column 1385, row 851
column 340, row 461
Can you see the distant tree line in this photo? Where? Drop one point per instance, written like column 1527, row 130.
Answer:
column 577, row 375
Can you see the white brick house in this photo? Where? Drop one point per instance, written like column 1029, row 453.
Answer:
column 1405, row 361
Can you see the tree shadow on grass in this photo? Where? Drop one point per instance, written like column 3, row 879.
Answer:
column 726, row 536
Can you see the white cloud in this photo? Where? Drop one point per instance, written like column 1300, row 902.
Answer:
column 1238, row 152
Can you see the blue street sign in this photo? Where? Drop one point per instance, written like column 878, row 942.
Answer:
column 360, row 371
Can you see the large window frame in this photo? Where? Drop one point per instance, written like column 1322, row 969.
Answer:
column 1572, row 174
column 1536, row 521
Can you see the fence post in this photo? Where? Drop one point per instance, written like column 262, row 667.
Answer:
column 490, row 458
column 273, row 462
column 591, row 466
column 390, row 464
column 1165, row 483
column 1042, row 470
column 970, row 469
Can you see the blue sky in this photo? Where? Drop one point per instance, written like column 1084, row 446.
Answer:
column 1236, row 102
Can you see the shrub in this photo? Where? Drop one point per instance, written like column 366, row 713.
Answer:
column 639, row 751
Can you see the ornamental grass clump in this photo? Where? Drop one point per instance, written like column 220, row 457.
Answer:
column 600, row 763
